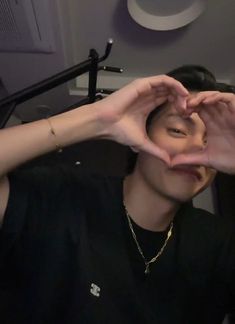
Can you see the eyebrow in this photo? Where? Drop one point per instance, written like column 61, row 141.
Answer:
column 188, row 120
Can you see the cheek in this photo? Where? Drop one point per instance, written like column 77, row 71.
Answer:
column 170, row 145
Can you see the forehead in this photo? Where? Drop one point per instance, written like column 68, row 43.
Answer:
column 168, row 113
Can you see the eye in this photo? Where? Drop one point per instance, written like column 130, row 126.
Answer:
column 177, row 131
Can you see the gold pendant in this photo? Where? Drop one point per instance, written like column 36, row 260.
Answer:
column 147, row 270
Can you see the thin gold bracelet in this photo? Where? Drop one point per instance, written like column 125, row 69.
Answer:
column 58, row 146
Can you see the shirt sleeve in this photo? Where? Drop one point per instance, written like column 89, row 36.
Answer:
column 38, row 202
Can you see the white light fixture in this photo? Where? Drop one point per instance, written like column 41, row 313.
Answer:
column 165, row 14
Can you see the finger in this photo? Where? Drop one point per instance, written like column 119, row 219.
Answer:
column 170, row 83
column 201, row 94
column 199, row 158
column 165, row 90
column 211, row 112
column 181, row 104
column 176, row 91
column 208, row 102
column 208, row 114
column 159, row 101
column 189, row 109
column 227, row 98
column 152, row 103
column 161, row 88
column 213, row 99
column 161, row 93
column 200, row 97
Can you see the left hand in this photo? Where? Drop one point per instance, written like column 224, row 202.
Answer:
column 217, row 110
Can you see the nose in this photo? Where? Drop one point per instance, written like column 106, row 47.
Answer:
column 197, row 143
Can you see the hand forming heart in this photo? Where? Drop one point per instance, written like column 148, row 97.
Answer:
column 123, row 118
column 217, row 110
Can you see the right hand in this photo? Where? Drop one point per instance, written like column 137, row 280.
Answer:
column 123, row 114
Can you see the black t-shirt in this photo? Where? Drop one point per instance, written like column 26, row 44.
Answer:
column 67, row 256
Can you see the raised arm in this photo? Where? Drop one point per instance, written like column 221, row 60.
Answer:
column 120, row 117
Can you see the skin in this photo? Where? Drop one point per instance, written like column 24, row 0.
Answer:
column 217, row 110
column 151, row 192
column 122, row 115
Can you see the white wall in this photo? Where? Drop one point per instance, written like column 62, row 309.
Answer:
column 20, row 70
column 205, row 200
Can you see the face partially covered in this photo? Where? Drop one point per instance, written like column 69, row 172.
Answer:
column 175, row 134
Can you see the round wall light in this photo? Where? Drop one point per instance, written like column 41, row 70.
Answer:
column 165, row 14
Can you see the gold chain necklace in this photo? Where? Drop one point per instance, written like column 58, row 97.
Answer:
column 147, row 263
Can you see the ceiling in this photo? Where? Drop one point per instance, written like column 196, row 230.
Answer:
column 81, row 25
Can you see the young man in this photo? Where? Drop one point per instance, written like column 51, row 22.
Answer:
column 99, row 250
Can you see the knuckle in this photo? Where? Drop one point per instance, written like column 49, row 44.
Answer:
column 167, row 78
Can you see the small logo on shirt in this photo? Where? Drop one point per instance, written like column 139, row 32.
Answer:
column 95, row 290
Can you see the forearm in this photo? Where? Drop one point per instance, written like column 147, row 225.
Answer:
column 25, row 142
column 120, row 117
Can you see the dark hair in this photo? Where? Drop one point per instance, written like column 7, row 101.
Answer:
column 193, row 78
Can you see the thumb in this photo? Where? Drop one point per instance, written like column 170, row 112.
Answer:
column 199, row 158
